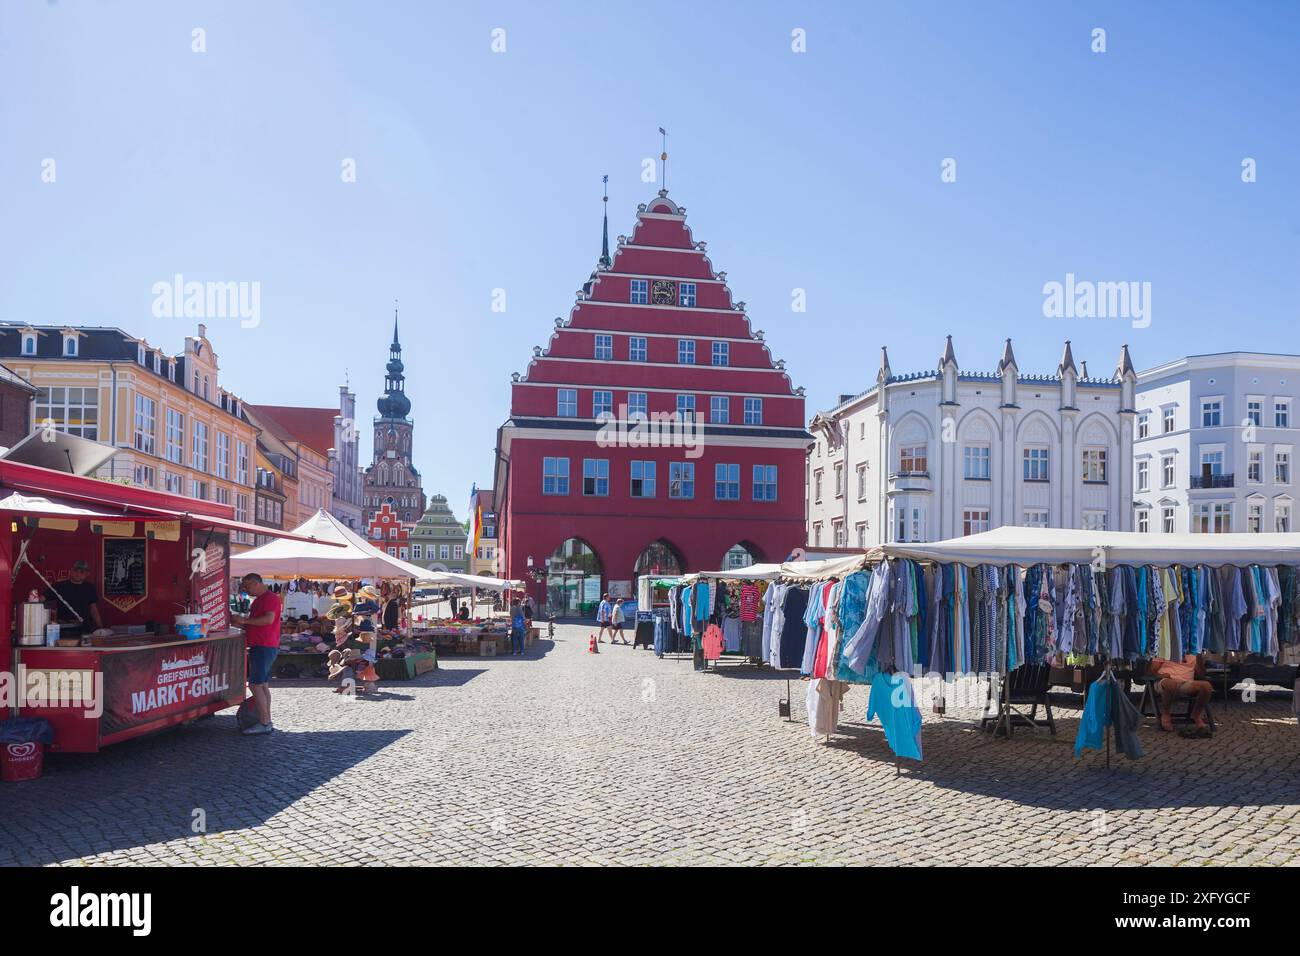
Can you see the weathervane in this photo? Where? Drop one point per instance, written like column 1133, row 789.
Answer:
column 663, row 157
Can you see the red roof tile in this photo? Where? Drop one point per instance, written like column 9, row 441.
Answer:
column 314, row 427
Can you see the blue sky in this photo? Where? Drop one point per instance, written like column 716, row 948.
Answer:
column 479, row 170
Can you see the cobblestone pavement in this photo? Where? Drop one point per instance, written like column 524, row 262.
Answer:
column 567, row 758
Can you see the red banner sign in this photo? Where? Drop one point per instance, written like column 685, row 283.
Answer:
column 156, row 682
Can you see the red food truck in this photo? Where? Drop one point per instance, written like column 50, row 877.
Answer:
column 151, row 557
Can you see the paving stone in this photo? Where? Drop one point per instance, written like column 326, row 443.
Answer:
column 560, row 758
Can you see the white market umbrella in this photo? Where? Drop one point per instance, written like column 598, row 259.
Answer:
column 358, row 558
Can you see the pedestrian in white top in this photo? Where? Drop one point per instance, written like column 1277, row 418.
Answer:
column 616, row 622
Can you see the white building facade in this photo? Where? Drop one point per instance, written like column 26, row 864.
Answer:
column 941, row 454
column 1214, row 444
column 345, row 463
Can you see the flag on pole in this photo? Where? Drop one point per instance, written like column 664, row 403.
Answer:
column 475, row 522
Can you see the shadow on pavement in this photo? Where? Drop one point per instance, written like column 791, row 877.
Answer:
column 148, row 790
column 1252, row 760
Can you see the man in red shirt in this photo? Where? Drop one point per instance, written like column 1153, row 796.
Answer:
column 262, row 635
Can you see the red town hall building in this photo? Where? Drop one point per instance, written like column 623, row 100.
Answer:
column 654, row 434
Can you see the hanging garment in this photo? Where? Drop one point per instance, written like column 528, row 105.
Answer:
column 903, row 614
column 893, row 702
column 921, row 578
column 859, row 647
column 1236, row 608
column 702, row 602
column 824, row 699
column 940, row 596
column 1046, row 616
column 731, row 635
column 812, row 629
column 748, row 601
column 1108, row 706
column 1116, row 608
column 770, row 597
column 793, row 630
column 831, row 624
column 1273, row 603
column 712, row 642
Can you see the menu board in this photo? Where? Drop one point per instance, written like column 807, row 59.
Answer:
column 209, row 586
column 125, row 572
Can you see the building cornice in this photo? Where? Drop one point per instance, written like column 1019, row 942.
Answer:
column 660, row 391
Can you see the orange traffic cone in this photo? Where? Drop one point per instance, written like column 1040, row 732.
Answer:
column 591, row 645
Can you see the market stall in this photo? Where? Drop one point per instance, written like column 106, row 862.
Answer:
column 336, row 553
column 989, row 606
column 155, row 567
column 478, row 635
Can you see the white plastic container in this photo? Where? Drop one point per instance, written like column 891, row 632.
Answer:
column 189, row 626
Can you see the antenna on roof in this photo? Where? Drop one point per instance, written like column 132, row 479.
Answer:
column 663, row 158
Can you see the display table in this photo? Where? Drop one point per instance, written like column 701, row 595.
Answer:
column 149, row 682
column 289, row 665
column 468, row 638
column 406, row 668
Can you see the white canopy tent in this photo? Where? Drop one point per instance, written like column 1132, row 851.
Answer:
column 789, row 570
column 455, row 579
column 358, row 558
column 751, row 572
column 1027, row 546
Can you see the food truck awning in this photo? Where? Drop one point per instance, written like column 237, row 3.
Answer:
column 42, row 491
column 35, row 505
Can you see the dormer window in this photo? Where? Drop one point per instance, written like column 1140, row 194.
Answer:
column 29, row 343
column 139, row 353
column 171, row 369
column 157, row 363
column 69, row 345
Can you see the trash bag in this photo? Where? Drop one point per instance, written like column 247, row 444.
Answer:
column 24, row 730
column 246, row 716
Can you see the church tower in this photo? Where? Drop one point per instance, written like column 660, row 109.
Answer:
column 392, row 478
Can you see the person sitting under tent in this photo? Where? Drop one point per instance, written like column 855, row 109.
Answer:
column 1183, row 679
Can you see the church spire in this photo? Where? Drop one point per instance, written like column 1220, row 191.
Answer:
column 394, row 403
column 605, row 260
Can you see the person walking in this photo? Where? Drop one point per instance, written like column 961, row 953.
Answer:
column 603, row 613
column 262, row 636
column 616, row 622
column 516, row 628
